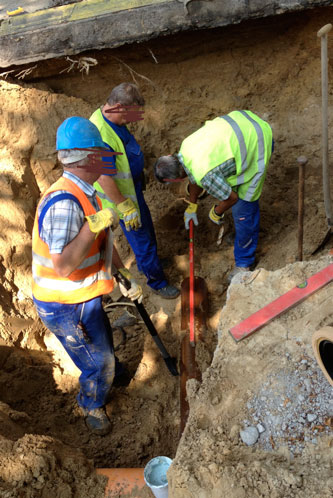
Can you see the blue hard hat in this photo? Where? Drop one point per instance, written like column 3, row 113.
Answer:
column 78, row 133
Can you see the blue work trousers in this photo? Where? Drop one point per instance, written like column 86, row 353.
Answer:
column 144, row 245
column 85, row 332
column 246, row 217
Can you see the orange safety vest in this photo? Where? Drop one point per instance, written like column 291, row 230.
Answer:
column 88, row 281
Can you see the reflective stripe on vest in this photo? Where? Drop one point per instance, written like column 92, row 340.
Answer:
column 86, row 282
column 243, row 152
column 123, row 178
column 41, row 260
column 71, row 286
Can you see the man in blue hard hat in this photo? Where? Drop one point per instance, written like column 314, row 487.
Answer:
column 124, row 191
column 70, row 248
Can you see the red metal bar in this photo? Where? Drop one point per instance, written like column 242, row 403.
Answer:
column 282, row 304
column 192, row 336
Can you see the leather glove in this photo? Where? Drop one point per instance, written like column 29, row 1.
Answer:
column 102, row 219
column 191, row 214
column 135, row 291
column 130, row 214
column 218, row 219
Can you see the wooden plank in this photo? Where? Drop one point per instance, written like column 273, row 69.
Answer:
column 69, row 13
column 282, row 304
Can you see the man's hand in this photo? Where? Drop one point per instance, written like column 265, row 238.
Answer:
column 102, row 219
column 135, row 291
column 130, row 214
column 218, row 219
column 191, row 214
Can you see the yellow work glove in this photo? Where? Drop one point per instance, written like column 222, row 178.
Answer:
column 130, row 214
column 191, row 214
column 218, row 219
column 102, row 219
column 135, row 291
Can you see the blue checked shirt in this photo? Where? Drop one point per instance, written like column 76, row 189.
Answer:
column 64, row 219
column 215, row 180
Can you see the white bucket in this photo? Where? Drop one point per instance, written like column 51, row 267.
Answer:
column 155, row 475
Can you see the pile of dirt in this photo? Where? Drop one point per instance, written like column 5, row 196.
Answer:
column 269, row 362
column 269, row 66
column 34, row 466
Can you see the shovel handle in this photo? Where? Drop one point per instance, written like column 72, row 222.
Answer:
column 302, row 160
column 192, row 337
column 322, row 34
column 169, row 361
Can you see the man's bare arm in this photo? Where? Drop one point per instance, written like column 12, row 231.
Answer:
column 194, row 191
column 223, row 206
column 110, row 188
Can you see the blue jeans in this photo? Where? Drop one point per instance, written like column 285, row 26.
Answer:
column 85, row 332
column 144, row 245
column 246, row 217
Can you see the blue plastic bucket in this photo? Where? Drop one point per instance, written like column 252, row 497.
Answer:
column 155, row 475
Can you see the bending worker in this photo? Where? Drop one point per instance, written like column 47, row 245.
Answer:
column 69, row 272
column 228, row 157
column 124, row 191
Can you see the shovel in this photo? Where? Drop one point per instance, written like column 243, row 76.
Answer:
column 170, row 362
column 322, row 33
column 194, row 304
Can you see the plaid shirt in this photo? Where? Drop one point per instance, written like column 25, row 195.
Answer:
column 215, row 180
column 64, row 219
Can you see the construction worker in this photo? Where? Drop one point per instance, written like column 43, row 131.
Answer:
column 228, row 157
column 124, row 192
column 69, row 246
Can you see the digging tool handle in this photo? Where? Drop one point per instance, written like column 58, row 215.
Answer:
column 169, row 361
column 322, row 34
column 192, row 332
column 302, row 160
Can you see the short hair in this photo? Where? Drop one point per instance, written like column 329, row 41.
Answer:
column 126, row 94
column 168, row 168
column 71, row 158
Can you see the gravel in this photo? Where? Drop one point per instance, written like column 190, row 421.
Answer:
column 293, row 407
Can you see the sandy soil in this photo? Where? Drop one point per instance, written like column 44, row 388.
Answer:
column 272, row 67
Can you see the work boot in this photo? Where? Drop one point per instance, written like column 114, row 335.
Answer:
column 122, row 376
column 97, row 421
column 167, row 292
column 239, row 269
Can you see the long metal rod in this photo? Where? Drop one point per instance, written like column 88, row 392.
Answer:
column 322, row 33
column 301, row 174
column 192, row 334
column 169, row 361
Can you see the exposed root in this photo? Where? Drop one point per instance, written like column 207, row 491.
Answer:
column 133, row 72
column 83, row 64
column 20, row 75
